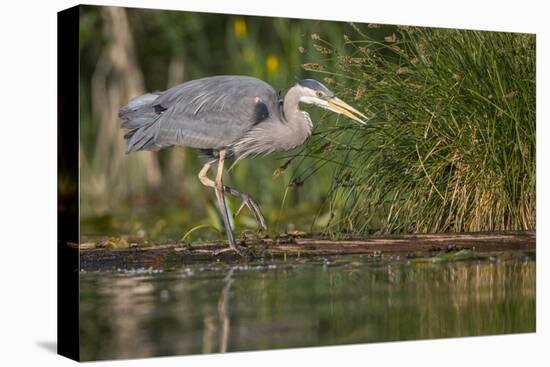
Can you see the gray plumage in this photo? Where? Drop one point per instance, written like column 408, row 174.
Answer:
column 242, row 114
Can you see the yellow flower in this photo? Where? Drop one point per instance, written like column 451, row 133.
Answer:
column 272, row 64
column 239, row 27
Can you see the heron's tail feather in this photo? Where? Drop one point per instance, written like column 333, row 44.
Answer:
column 139, row 117
column 138, row 106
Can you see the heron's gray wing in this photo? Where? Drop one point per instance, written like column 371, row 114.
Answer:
column 209, row 113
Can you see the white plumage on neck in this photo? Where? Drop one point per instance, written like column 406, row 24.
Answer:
column 279, row 132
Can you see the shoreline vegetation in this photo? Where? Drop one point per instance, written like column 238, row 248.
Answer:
column 450, row 145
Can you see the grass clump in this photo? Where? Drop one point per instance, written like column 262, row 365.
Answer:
column 450, row 145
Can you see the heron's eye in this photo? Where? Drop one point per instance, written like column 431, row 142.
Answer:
column 319, row 93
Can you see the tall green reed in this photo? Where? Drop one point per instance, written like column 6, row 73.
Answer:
column 450, row 145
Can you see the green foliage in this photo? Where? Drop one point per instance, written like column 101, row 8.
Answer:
column 451, row 140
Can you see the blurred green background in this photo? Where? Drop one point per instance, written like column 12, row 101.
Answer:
column 429, row 93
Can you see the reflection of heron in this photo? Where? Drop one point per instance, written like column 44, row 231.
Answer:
column 210, row 327
column 227, row 116
column 223, row 310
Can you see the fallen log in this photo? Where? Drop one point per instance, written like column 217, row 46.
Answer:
column 93, row 257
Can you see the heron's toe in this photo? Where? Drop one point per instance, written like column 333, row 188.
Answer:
column 254, row 208
column 240, row 250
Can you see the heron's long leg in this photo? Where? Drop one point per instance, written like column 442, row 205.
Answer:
column 218, row 187
column 203, row 177
column 250, row 203
column 247, row 200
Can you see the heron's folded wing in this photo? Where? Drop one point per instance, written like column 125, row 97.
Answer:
column 212, row 113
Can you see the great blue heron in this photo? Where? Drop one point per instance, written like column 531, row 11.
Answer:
column 224, row 117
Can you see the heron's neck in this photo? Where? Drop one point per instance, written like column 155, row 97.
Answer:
column 296, row 119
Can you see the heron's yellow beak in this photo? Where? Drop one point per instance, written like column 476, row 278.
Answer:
column 337, row 105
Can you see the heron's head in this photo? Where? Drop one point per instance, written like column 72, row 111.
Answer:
column 313, row 92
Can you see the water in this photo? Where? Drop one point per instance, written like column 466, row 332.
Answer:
column 219, row 307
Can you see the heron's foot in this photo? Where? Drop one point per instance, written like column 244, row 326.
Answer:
column 254, row 208
column 241, row 250
column 250, row 203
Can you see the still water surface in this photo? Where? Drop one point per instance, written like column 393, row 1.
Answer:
column 218, row 307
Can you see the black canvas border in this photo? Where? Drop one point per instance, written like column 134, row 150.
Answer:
column 68, row 340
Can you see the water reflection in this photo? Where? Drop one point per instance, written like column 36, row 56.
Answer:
column 223, row 306
column 218, row 307
column 217, row 327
